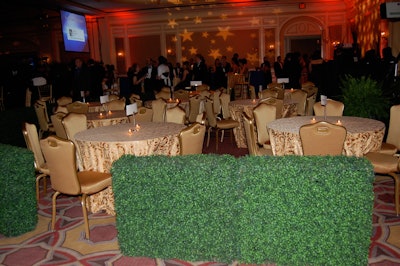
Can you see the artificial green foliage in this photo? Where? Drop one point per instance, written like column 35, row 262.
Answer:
column 363, row 97
column 18, row 213
column 291, row 210
column 305, row 210
column 176, row 207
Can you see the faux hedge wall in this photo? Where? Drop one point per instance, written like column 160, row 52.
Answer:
column 18, row 213
column 291, row 210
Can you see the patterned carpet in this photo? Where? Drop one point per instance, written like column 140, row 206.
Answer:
column 67, row 246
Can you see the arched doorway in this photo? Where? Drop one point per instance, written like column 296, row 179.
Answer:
column 302, row 34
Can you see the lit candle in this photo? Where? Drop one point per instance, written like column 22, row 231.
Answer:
column 109, row 112
column 137, row 127
column 339, row 123
column 254, row 101
column 313, row 120
column 130, row 131
column 291, row 89
column 101, row 114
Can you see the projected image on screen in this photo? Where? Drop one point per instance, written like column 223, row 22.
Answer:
column 74, row 32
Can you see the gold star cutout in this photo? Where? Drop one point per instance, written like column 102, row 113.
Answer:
column 255, row 21
column 186, row 35
column 205, row 35
column 229, row 49
column 197, row 20
column 212, row 41
column 214, row 53
column 184, row 58
column 172, row 23
column 224, row 32
column 193, row 50
column 224, row 16
column 174, row 39
column 252, row 58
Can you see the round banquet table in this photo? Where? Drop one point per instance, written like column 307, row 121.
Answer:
column 100, row 147
column 101, row 119
column 237, row 107
column 363, row 134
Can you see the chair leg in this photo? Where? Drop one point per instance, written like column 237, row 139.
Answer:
column 53, row 215
column 208, row 138
column 396, row 192
column 216, row 139
column 85, row 216
column 38, row 177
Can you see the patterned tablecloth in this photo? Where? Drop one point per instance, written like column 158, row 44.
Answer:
column 100, row 147
column 95, row 107
column 236, row 108
column 363, row 134
column 101, row 119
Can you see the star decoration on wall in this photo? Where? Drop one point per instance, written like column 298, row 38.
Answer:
column 193, row 50
column 184, row 58
column 172, row 23
column 255, row 21
column 174, row 39
column 186, row 35
column 224, row 32
column 252, row 58
column 229, row 49
column 205, row 34
column 197, row 20
column 212, row 41
column 214, row 53
column 224, row 16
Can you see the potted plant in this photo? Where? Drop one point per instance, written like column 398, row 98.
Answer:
column 363, row 97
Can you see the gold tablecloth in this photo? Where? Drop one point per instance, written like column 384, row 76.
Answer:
column 101, row 119
column 236, row 108
column 100, row 147
column 363, row 134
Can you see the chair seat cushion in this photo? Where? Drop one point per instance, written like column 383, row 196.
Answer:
column 227, row 124
column 383, row 163
column 388, row 148
column 93, row 182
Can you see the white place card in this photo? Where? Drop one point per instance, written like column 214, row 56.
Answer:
column 104, row 99
column 282, row 80
column 324, row 100
column 131, row 109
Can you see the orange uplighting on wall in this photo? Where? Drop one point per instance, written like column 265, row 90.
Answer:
column 120, row 54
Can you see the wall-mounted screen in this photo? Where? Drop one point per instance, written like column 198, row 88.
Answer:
column 74, row 32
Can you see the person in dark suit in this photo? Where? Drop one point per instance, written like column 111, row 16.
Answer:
column 278, row 67
column 200, row 71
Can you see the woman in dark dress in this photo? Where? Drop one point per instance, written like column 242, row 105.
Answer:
column 186, row 76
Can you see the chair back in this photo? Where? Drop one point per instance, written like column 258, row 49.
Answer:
column 194, row 108
column 134, row 98
column 267, row 93
column 263, row 114
column 32, row 143
column 211, row 117
column 333, row 108
column 60, row 158
column 143, row 114
column 64, row 100
column 277, row 102
column 322, row 138
column 113, row 97
column 217, row 102
column 116, row 105
column 393, row 136
column 42, row 116
column 203, row 87
column 300, row 98
column 159, row 107
column 74, row 123
column 251, row 135
column 56, row 120
column 78, row 107
column 225, row 100
column 45, row 92
column 175, row 115
column 191, row 139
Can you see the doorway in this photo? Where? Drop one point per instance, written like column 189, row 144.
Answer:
column 303, row 44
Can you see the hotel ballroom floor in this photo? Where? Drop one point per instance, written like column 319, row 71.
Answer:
column 68, row 247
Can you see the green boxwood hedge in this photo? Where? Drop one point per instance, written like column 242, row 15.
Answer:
column 18, row 213
column 292, row 210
